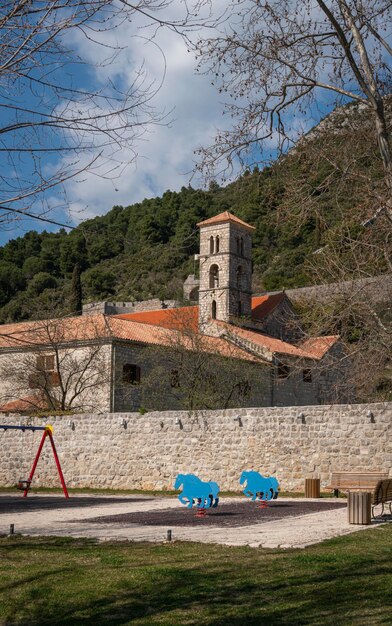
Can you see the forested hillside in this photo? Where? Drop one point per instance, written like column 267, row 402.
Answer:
column 308, row 200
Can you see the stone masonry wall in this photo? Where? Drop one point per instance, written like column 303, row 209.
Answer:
column 150, row 451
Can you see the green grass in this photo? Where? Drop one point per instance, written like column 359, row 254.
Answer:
column 345, row 581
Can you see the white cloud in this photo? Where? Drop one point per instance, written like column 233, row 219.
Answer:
column 164, row 153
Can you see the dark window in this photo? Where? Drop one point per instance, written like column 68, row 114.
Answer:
column 237, row 240
column 307, row 375
column 174, row 379
column 217, row 244
column 282, row 371
column 211, row 245
column 241, row 247
column 244, row 388
column 213, row 310
column 239, row 308
column 45, row 362
column 131, row 374
column 239, row 277
column 214, row 276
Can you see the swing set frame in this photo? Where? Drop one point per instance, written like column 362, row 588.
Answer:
column 24, row 485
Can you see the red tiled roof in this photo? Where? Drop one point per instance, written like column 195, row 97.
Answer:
column 27, row 403
column 180, row 318
column 270, row 344
column 161, row 327
column 226, row 216
column 318, row 346
column 95, row 327
column 188, row 316
column 262, row 306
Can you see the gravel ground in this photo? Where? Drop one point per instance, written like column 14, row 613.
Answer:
column 240, row 513
column 17, row 504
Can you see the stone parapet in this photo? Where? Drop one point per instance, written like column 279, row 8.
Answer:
column 134, row 451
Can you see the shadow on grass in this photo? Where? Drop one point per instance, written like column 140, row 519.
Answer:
column 343, row 582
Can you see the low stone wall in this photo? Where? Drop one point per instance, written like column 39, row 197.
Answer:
column 148, row 451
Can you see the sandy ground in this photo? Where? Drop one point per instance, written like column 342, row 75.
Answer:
column 143, row 518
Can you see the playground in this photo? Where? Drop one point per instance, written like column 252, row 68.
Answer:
column 285, row 523
column 256, row 518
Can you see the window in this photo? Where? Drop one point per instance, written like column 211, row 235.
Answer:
column 239, row 277
column 131, row 374
column 45, row 362
column 307, row 375
column 217, row 243
column 244, row 388
column 282, row 371
column 174, row 379
column 241, row 247
column 44, row 376
column 211, row 245
column 237, row 241
column 239, row 308
column 214, row 276
column 213, row 310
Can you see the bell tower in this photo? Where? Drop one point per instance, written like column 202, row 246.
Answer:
column 225, row 269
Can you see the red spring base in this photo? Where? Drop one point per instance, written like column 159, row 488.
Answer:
column 201, row 513
column 263, row 504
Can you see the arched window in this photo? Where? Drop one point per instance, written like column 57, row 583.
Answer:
column 239, row 277
column 214, row 276
column 217, row 243
column 213, row 310
column 211, row 245
column 241, row 247
column 237, row 241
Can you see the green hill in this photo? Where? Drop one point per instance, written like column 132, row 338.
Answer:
column 315, row 197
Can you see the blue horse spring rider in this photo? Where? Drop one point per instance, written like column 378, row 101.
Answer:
column 258, row 487
column 194, row 491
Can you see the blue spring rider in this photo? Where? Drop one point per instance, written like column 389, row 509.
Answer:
column 195, row 491
column 258, row 487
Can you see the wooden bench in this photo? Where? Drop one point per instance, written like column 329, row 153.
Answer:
column 358, row 481
column 382, row 494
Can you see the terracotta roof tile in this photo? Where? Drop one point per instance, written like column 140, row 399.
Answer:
column 179, row 318
column 188, row 317
column 27, row 403
column 319, row 346
column 270, row 344
column 262, row 306
column 226, row 216
column 95, row 327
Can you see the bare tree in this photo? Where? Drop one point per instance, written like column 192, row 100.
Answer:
column 59, row 364
column 275, row 58
column 56, row 123
column 200, row 372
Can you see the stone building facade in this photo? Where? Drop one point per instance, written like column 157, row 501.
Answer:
column 251, row 350
column 225, row 290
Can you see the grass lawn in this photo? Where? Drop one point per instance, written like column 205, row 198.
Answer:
column 61, row 581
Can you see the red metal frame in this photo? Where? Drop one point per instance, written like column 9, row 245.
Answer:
column 47, row 433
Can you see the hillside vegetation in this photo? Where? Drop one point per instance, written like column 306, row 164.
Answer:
column 316, row 197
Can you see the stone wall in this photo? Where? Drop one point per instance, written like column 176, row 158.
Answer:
column 148, row 453
column 120, row 308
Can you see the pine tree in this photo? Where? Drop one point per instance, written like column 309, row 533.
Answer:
column 76, row 291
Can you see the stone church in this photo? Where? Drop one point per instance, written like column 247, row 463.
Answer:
column 249, row 351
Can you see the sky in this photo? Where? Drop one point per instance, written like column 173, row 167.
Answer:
column 162, row 157
column 165, row 158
